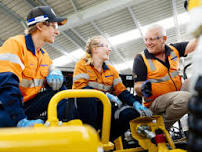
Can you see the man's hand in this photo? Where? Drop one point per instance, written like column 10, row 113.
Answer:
column 55, row 79
column 146, row 88
column 143, row 111
column 29, row 123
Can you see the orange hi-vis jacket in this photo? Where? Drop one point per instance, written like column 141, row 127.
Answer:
column 18, row 56
column 163, row 80
column 107, row 80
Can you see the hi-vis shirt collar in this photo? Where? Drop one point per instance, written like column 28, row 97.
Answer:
column 151, row 56
column 104, row 66
column 30, row 44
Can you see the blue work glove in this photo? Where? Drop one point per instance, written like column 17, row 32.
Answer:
column 146, row 88
column 143, row 111
column 114, row 99
column 29, row 123
column 55, row 79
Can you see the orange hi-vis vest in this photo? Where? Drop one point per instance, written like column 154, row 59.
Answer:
column 30, row 66
column 163, row 80
column 108, row 80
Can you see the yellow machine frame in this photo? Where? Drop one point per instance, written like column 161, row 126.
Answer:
column 57, row 136
column 62, row 137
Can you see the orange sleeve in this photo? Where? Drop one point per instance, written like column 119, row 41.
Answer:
column 11, row 57
column 117, row 82
column 80, row 76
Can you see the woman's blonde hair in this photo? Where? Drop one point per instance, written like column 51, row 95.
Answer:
column 91, row 43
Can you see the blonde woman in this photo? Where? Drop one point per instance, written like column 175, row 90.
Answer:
column 91, row 72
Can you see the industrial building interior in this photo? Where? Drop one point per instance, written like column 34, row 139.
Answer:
column 123, row 23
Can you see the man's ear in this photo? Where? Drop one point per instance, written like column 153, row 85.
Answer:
column 39, row 26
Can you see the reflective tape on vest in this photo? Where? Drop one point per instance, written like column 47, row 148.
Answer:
column 99, row 86
column 151, row 65
column 81, row 76
column 166, row 78
column 12, row 58
column 173, row 56
column 32, row 83
column 116, row 81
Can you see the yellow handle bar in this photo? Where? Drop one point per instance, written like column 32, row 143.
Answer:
column 82, row 93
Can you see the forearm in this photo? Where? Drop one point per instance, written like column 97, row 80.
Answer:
column 11, row 97
column 137, row 88
column 191, row 46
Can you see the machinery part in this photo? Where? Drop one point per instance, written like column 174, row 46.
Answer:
column 184, row 71
column 84, row 93
column 160, row 140
column 143, row 129
column 50, row 139
column 57, row 136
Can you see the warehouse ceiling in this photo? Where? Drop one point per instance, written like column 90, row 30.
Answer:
column 122, row 22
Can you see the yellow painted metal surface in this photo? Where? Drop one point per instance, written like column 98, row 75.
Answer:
column 154, row 123
column 55, row 136
column 49, row 139
column 73, row 136
column 194, row 3
column 84, row 93
column 118, row 143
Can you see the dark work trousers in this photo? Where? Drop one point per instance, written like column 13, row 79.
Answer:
column 90, row 111
column 5, row 119
column 39, row 104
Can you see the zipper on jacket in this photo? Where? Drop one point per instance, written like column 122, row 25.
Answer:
column 172, row 79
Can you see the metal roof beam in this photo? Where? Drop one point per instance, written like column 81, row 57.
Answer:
column 136, row 21
column 31, row 3
column 103, row 34
column 74, row 38
column 78, row 35
column 15, row 16
column 74, row 5
column 98, row 11
column 179, row 37
column 42, row 2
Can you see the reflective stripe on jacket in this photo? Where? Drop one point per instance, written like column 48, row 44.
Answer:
column 163, row 80
column 107, row 80
column 18, row 55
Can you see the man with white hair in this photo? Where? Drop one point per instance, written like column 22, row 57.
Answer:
column 156, row 76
